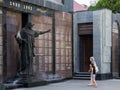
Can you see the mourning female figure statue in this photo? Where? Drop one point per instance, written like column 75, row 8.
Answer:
column 26, row 38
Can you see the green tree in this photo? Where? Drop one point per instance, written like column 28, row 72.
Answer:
column 117, row 6
column 113, row 5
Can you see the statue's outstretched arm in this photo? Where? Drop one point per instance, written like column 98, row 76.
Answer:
column 41, row 32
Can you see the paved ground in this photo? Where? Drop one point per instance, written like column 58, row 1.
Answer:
column 79, row 85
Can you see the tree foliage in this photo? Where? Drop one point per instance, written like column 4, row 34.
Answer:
column 113, row 5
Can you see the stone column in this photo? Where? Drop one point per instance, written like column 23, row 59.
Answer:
column 102, row 41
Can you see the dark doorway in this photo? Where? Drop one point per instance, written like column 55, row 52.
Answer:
column 85, row 31
column 24, row 19
column 86, row 51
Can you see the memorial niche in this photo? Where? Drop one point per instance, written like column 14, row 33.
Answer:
column 25, row 39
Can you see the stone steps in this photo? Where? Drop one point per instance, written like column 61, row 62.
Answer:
column 82, row 75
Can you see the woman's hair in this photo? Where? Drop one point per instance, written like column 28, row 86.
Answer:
column 93, row 60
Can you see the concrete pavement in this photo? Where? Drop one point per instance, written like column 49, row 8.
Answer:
column 113, row 84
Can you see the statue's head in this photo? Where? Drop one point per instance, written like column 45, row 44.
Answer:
column 29, row 25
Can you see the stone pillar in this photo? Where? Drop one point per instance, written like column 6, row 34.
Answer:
column 76, row 44
column 102, row 42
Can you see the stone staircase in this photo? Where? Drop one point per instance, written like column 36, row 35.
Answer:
column 82, row 75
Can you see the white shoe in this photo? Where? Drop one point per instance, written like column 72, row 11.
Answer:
column 89, row 84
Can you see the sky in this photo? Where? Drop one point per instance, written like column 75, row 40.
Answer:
column 86, row 2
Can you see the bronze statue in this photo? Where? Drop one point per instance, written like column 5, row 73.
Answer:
column 26, row 39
